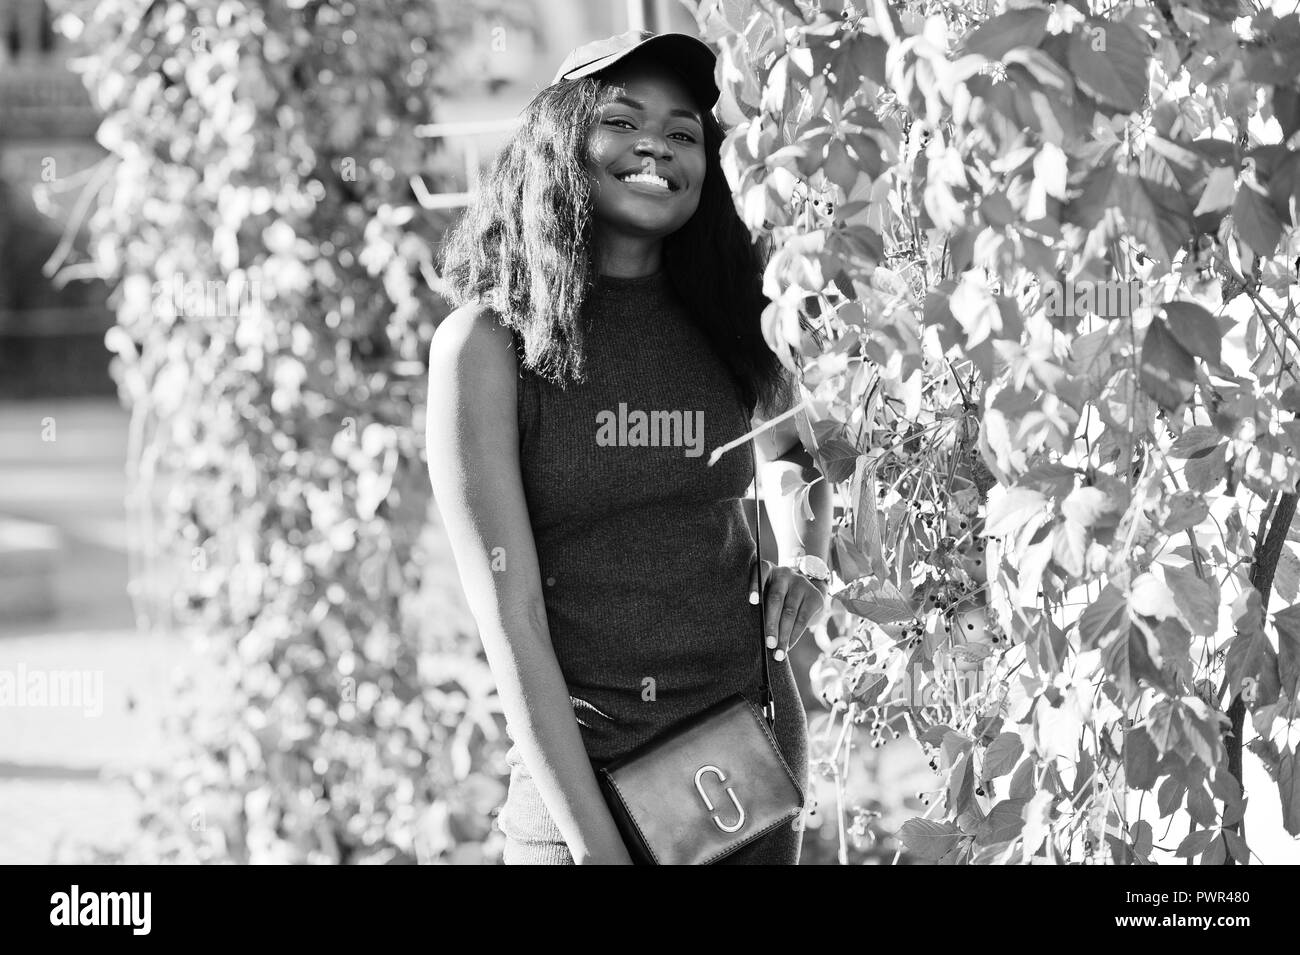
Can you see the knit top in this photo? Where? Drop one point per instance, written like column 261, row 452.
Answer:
column 643, row 548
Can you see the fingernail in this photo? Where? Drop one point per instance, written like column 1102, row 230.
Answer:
column 753, row 597
column 771, row 643
column 778, row 656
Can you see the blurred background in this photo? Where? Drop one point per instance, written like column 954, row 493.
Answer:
column 230, row 628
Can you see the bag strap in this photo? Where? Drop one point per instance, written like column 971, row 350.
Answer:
column 765, row 690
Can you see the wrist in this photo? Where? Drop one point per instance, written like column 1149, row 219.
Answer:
column 814, row 569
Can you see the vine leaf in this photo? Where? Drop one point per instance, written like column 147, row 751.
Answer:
column 1128, row 661
column 1287, row 623
column 1006, row 31
column 1113, row 71
column 878, row 602
column 1168, row 369
column 1257, row 224
column 1252, row 663
column 1196, row 601
column 1288, row 785
column 1196, row 329
column 1012, row 509
column 1004, row 822
column 1149, row 596
column 1140, row 759
column 1002, row 755
column 1105, row 615
column 1196, row 842
column 1220, row 189
column 928, row 840
column 961, row 784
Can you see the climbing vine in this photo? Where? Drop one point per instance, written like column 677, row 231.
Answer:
column 1053, row 252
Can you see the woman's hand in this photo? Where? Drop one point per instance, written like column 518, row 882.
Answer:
column 793, row 604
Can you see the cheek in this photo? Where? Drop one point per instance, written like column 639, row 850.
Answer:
column 599, row 147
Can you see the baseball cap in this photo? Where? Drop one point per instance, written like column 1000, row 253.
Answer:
column 689, row 56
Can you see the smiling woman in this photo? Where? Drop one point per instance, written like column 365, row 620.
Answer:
column 611, row 571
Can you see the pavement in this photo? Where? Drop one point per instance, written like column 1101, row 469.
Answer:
column 63, row 768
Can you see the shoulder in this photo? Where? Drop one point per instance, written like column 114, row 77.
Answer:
column 473, row 338
column 472, row 372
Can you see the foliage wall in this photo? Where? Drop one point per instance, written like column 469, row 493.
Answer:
column 272, row 275
column 1054, row 251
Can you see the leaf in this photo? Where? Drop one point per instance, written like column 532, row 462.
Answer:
column 1087, row 505
column 1142, row 838
column 1186, row 509
column 1054, row 480
column 1201, row 807
column 1127, row 661
column 1251, row 656
column 1140, row 759
column 1204, row 473
column 1195, row 600
column 1196, row 843
column 1196, row 330
column 929, row 840
column 1168, row 371
column 1104, row 616
column 1288, row 786
column 1003, row 823
column 1008, row 30
column 961, row 784
column 1012, row 509
column 1037, row 813
column 1286, row 577
column 879, row 603
column 1002, row 755
column 838, row 459
column 1170, row 796
column 866, row 520
column 1022, row 781
column 1256, row 222
column 1195, row 442
column 1287, row 623
column 1116, row 75
column 1215, row 853
column 1156, row 212
column 1070, row 547
column 1220, row 188
column 1237, row 847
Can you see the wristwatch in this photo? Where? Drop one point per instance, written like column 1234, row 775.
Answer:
column 813, row 567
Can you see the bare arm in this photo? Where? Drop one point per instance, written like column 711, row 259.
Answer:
column 472, row 439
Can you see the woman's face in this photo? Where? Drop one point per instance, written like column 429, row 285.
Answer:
column 645, row 152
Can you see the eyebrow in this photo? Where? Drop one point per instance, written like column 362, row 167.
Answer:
column 637, row 104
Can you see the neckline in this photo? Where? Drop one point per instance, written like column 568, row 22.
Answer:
column 624, row 283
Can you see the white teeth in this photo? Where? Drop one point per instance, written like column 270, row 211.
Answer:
column 659, row 181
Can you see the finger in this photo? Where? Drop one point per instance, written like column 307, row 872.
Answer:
column 775, row 593
column 755, row 587
column 789, row 613
column 808, row 611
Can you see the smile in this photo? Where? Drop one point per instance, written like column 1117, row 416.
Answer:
column 648, row 179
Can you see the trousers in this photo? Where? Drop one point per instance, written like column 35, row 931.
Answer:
column 532, row 838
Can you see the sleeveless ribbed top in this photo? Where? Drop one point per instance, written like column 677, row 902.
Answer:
column 644, row 550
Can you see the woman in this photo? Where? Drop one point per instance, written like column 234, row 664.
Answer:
column 607, row 339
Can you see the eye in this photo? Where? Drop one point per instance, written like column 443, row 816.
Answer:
column 618, row 119
column 686, row 137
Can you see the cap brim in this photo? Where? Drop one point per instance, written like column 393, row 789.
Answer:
column 690, row 57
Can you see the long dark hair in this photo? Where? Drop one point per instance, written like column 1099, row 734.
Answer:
column 524, row 249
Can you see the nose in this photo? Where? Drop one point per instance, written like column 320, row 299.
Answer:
column 652, row 144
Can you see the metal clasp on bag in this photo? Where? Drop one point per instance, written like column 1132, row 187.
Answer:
column 708, row 803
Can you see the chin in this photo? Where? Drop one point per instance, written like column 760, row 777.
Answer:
column 637, row 221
